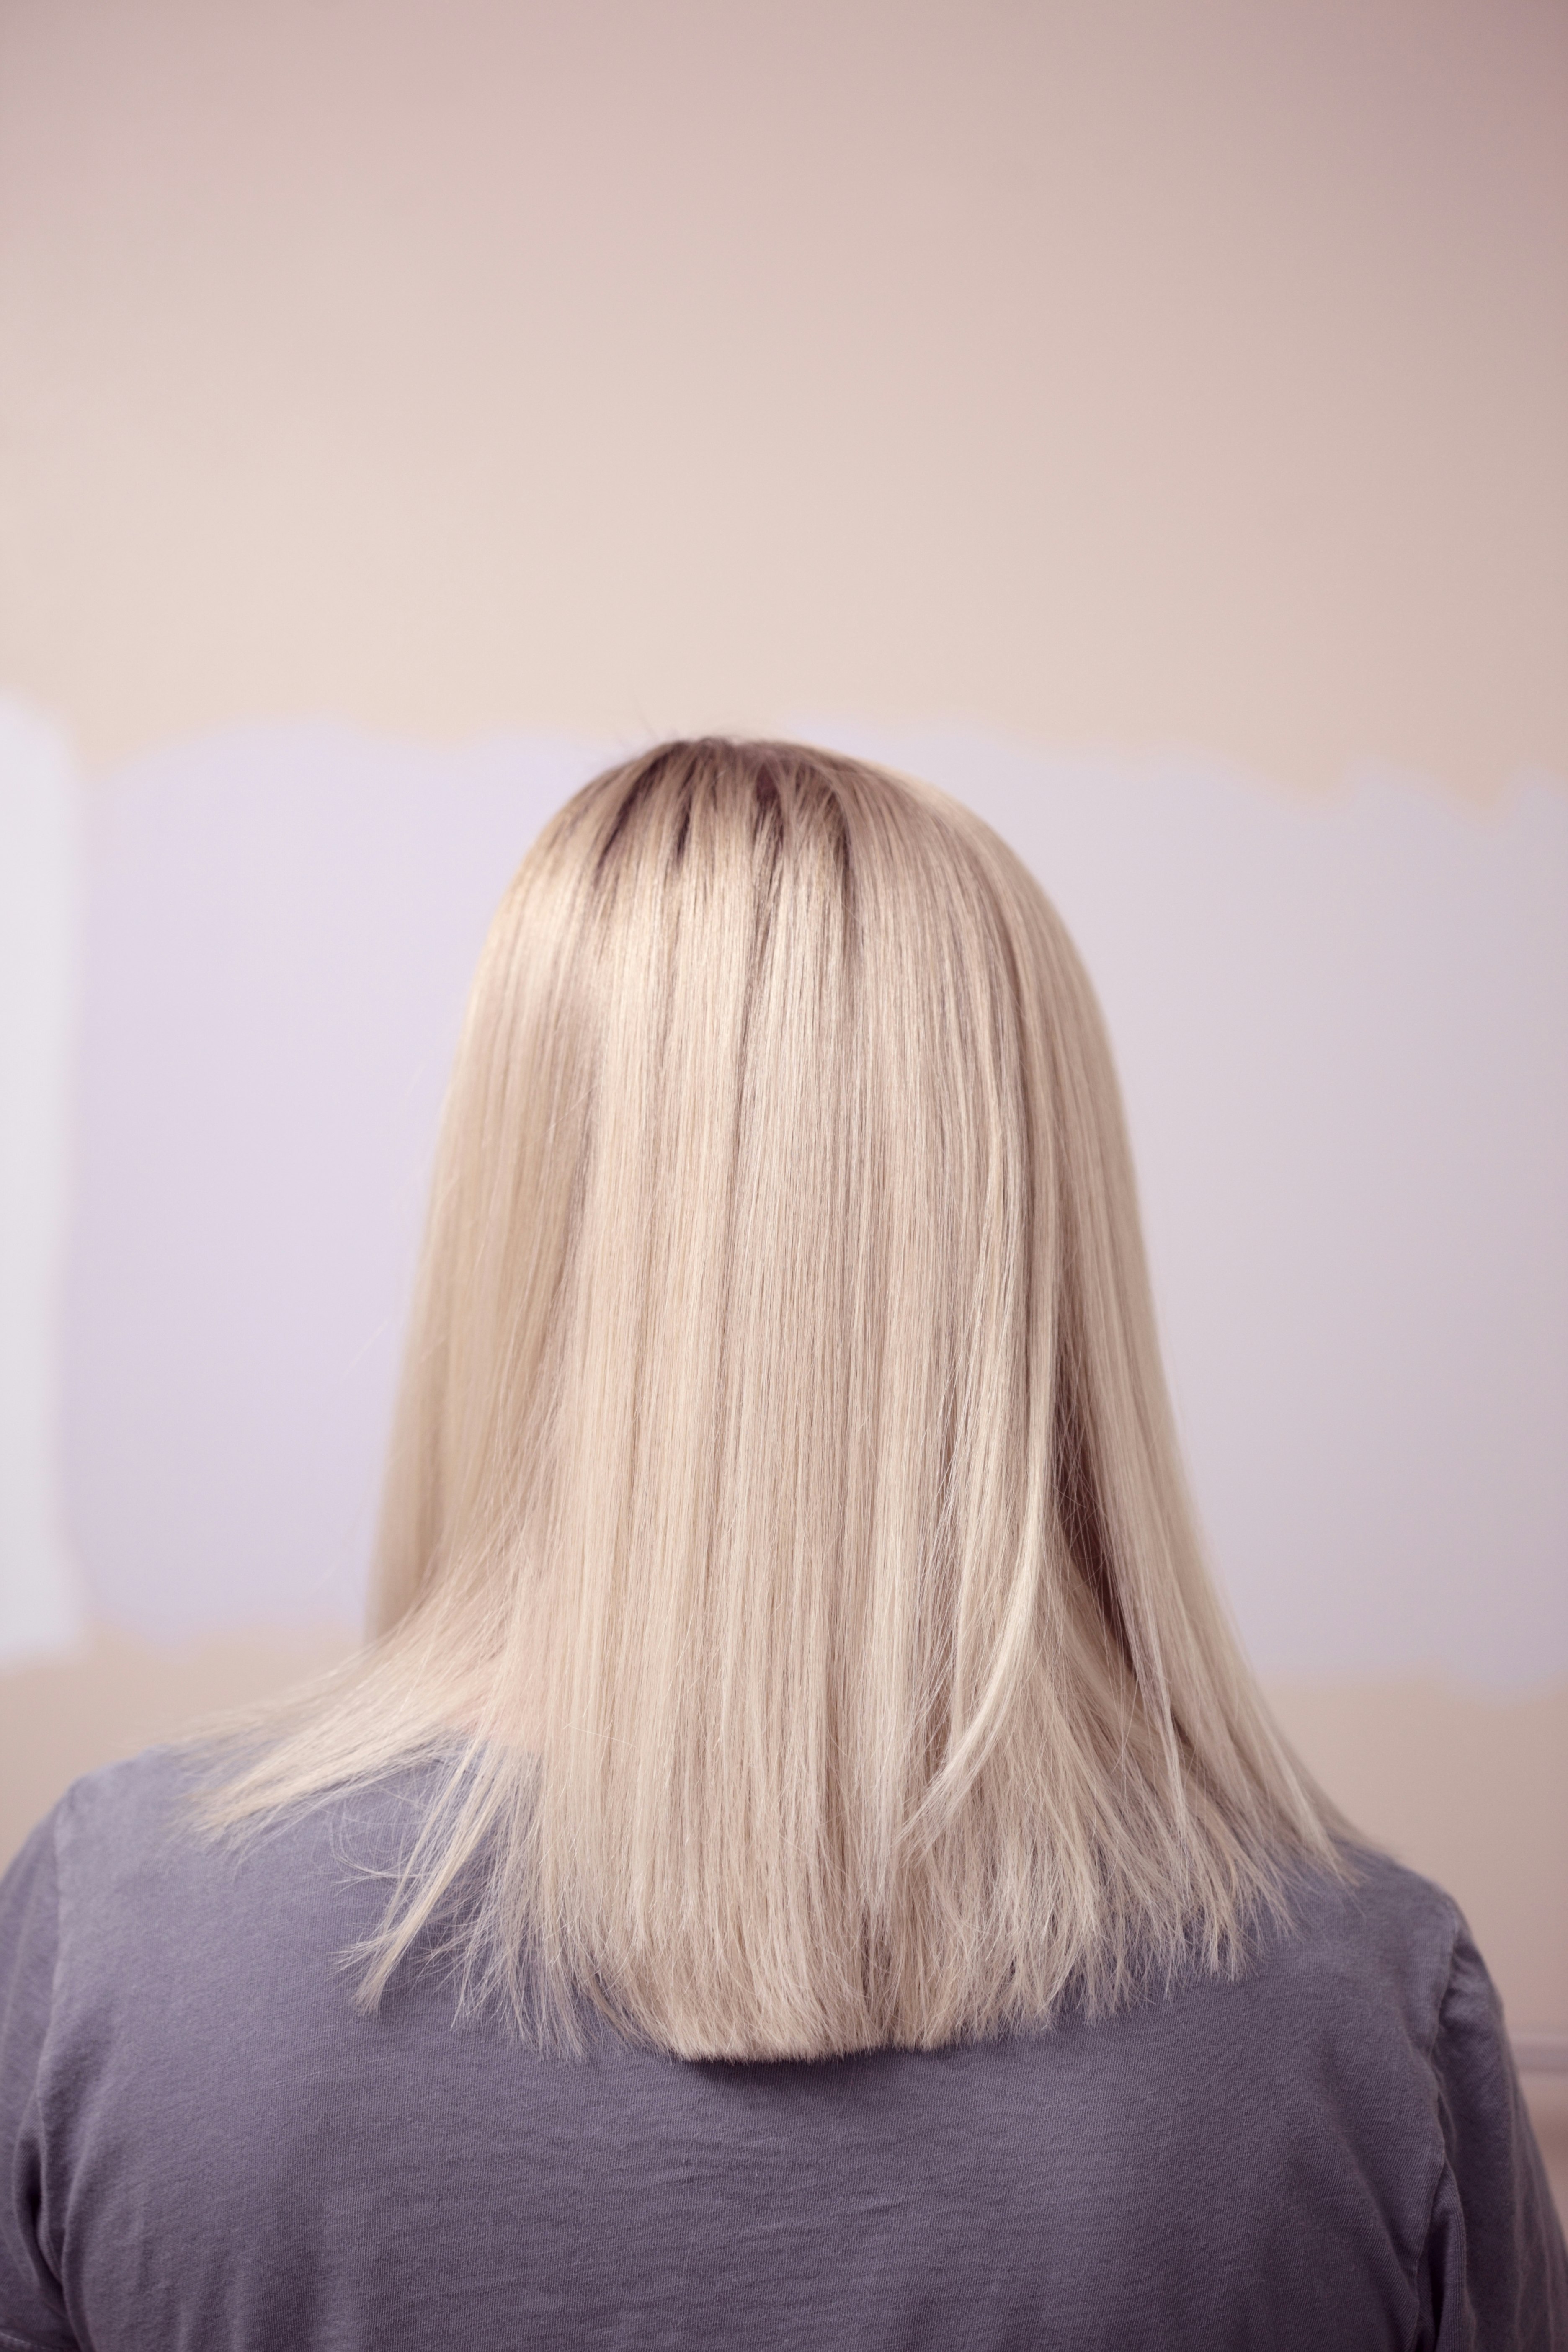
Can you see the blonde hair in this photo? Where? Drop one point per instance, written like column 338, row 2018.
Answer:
column 785, row 1566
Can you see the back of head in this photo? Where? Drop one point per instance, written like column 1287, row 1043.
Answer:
column 785, row 1550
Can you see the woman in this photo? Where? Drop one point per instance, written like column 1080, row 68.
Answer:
column 810, row 1861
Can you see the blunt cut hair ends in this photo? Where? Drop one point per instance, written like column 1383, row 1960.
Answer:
column 787, row 1574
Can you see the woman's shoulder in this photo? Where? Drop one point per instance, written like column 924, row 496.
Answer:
column 124, row 1864
column 114, row 1828
column 1328, row 2031
column 1355, row 2009
column 127, row 1801
column 1378, row 1938
column 144, row 1809
column 111, row 1814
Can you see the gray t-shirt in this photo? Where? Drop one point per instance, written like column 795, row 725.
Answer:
column 206, row 2147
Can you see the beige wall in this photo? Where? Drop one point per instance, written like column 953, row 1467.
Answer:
column 1141, row 376
column 1126, row 373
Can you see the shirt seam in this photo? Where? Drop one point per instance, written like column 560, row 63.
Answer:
column 1446, row 2167
column 40, row 2104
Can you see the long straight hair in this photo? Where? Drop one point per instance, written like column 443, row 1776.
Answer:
column 786, row 1573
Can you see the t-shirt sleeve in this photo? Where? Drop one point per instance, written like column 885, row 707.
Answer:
column 32, row 2310
column 1496, row 2272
